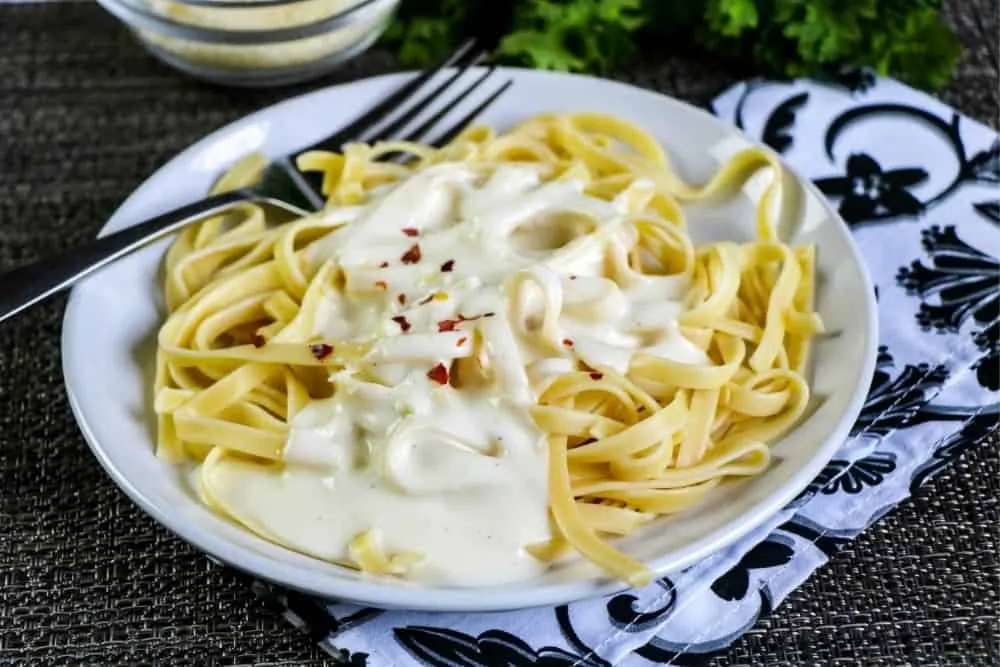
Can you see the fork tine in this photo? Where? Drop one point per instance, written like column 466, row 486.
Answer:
column 381, row 110
column 390, row 130
column 429, row 124
column 457, row 128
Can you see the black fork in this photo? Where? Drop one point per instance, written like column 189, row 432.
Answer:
column 281, row 187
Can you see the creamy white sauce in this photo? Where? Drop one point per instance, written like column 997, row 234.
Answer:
column 540, row 273
column 457, row 478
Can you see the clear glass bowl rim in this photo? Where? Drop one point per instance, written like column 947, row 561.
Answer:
column 137, row 15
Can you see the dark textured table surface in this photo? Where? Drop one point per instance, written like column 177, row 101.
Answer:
column 86, row 578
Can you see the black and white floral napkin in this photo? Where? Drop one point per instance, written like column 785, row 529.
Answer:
column 920, row 187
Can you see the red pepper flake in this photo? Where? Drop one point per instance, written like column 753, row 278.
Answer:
column 403, row 323
column 411, row 256
column 381, row 284
column 321, row 351
column 567, row 342
column 449, row 325
column 461, row 341
column 258, row 341
column 438, row 374
column 448, row 266
column 401, row 299
column 596, row 376
column 411, row 231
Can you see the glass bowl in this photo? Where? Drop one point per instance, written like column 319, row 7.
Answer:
column 254, row 42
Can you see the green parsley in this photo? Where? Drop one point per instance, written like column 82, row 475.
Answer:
column 780, row 38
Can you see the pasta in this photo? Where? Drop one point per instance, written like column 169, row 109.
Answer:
column 512, row 320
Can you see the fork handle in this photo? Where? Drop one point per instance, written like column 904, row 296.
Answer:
column 35, row 282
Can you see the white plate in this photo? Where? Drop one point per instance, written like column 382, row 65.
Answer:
column 112, row 318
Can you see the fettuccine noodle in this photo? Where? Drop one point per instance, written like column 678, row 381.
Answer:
column 510, row 313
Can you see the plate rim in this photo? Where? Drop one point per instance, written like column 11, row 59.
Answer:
column 494, row 598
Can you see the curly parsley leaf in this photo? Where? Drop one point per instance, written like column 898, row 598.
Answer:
column 425, row 31
column 592, row 36
column 731, row 17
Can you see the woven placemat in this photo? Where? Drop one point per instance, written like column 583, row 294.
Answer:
column 86, row 578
